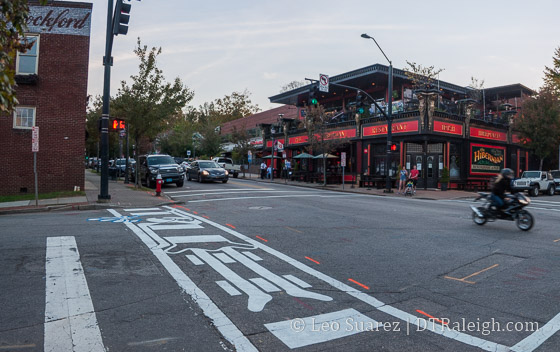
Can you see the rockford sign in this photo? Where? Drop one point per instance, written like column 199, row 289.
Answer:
column 486, row 159
column 59, row 20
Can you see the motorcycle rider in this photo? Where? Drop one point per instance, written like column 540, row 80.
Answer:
column 501, row 184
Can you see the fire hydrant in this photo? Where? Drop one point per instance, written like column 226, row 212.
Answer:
column 159, row 182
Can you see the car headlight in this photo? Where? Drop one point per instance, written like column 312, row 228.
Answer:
column 226, row 172
column 179, row 169
column 153, row 169
column 205, row 173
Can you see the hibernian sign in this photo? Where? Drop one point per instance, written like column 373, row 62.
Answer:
column 486, row 159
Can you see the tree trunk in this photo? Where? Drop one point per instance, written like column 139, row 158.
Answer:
column 540, row 167
column 137, row 164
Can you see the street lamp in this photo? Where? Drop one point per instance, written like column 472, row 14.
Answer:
column 389, row 116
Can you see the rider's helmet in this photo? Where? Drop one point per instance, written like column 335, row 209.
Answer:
column 507, row 173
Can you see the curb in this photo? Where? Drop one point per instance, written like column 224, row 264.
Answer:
column 80, row 206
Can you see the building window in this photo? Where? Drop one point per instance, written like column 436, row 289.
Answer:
column 24, row 117
column 27, row 62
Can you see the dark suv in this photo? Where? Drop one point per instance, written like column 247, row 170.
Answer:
column 151, row 165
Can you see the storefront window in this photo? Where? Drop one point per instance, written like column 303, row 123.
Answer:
column 454, row 161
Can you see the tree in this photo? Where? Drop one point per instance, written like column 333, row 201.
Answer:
column 242, row 141
column 150, row 105
column 423, row 78
column 234, row 106
column 291, row 86
column 552, row 75
column 318, row 135
column 539, row 124
column 13, row 25
column 476, row 86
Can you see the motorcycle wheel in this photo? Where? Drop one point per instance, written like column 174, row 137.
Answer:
column 524, row 220
column 479, row 220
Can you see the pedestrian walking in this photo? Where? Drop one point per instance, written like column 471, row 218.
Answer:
column 263, row 170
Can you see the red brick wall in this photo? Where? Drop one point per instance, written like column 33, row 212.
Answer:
column 60, row 98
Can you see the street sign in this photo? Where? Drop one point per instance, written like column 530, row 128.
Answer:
column 324, row 83
column 280, row 146
column 34, row 139
column 188, row 153
column 343, row 159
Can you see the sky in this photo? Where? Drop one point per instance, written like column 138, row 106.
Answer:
column 218, row 47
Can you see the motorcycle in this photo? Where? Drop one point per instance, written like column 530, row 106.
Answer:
column 514, row 211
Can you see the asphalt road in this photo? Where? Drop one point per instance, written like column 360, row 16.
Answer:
column 255, row 266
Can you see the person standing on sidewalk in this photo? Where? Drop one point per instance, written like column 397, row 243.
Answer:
column 402, row 180
column 414, row 173
column 263, row 170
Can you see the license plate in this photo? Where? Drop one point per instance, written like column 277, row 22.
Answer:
column 168, row 180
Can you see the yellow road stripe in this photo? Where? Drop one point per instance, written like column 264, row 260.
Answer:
column 246, row 185
column 17, row 347
column 481, row 271
column 456, row 279
column 290, row 228
column 558, row 240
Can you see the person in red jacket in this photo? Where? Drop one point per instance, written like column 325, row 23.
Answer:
column 414, row 173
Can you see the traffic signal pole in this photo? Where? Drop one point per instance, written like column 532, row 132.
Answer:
column 116, row 24
column 104, row 195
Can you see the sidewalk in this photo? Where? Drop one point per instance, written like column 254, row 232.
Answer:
column 121, row 196
column 430, row 193
column 127, row 196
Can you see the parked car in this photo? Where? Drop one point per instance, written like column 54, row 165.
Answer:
column 152, row 165
column 535, row 182
column 185, row 165
column 120, row 165
column 227, row 163
column 206, row 170
column 556, row 176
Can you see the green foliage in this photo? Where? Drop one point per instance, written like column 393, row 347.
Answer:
column 13, row 18
column 539, row 125
column 552, row 74
column 444, row 175
column 150, row 104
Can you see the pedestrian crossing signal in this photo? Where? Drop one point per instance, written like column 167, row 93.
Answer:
column 394, row 147
column 118, row 124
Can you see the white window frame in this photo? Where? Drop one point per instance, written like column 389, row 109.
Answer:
column 34, row 117
column 37, row 36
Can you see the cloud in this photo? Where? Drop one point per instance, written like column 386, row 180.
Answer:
column 270, row 75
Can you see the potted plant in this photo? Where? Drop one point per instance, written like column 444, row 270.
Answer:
column 444, row 180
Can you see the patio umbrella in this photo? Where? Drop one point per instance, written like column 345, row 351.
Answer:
column 270, row 157
column 325, row 155
column 303, row 156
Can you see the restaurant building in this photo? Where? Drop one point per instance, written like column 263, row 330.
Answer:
column 51, row 89
column 436, row 128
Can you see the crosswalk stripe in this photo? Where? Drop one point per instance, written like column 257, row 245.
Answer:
column 70, row 321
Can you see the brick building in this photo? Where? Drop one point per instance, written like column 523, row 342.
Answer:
column 52, row 94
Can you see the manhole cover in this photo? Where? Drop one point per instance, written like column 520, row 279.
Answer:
column 260, row 208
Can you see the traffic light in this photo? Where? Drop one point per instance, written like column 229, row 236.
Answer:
column 121, row 18
column 313, row 92
column 118, row 124
column 360, row 103
column 394, row 147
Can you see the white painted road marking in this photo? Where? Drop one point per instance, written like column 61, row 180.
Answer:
column 364, row 297
column 230, row 192
column 218, row 190
column 70, row 321
column 297, row 281
column 307, row 331
column 265, row 285
column 531, row 342
column 224, row 258
column 224, row 325
column 226, row 286
column 253, row 256
column 266, row 197
column 194, row 259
